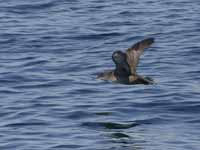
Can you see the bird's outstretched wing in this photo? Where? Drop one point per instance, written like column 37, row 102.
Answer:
column 134, row 52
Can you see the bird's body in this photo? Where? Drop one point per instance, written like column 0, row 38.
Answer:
column 132, row 79
column 126, row 65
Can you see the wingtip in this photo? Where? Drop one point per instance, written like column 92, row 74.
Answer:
column 143, row 44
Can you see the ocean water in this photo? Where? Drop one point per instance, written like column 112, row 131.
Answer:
column 51, row 52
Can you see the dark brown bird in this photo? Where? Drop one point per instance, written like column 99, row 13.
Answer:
column 126, row 65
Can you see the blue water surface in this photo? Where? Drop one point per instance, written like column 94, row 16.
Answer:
column 51, row 52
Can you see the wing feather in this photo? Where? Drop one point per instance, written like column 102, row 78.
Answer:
column 134, row 52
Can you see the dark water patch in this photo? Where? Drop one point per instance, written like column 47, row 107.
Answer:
column 110, row 125
column 34, row 133
column 83, row 91
column 119, row 135
column 84, row 106
column 67, row 146
column 21, row 125
column 103, row 113
column 47, row 98
column 97, row 36
column 19, row 58
column 40, row 105
column 126, row 13
column 112, row 23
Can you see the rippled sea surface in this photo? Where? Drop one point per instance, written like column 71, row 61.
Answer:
column 51, row 52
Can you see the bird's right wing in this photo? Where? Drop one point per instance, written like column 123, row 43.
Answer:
column 134, row 52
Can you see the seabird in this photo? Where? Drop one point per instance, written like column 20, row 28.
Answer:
column 126, row 65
